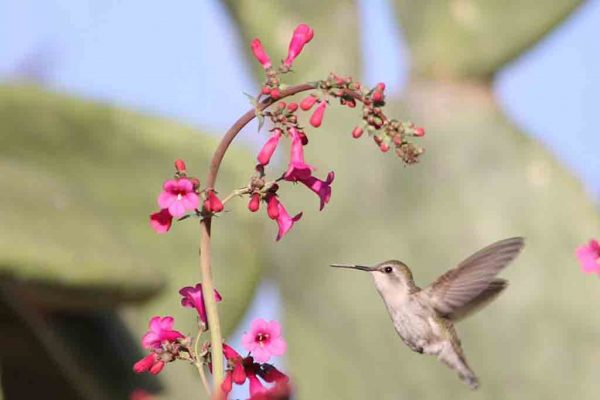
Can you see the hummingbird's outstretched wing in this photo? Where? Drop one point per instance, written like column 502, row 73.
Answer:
column 473, row 284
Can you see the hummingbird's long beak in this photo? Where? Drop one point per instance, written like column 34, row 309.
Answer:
column 352, row 266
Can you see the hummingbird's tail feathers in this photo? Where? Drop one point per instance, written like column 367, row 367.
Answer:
column 488, row 295
column 471, row 380
column 451, row 354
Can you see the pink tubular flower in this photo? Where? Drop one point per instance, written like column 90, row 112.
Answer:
column 260, row 54
column 213, row 203
column 161, row 221
column 589, row 257
column 321, row 188
column 178, row 196
column 151, row 363
column 192, row 298
column 264, row 340
column 297, row 168
column 302, row 35
column 285, row 222
column 161, row 330
column 269, row 148
column 317, row 117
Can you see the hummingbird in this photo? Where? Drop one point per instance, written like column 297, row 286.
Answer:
column 424, row 318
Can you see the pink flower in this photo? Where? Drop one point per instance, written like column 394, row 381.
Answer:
column 317, row 117
column 297, row 168
column 357, row 132
column 161, row 221
column 269, row 148
column 264, row 340
column 161, row 330
column 140, row 394
column 260, row 54
column 213, row 203
column 284, row 221
column 589, row 257
column 192, row 298
column 178, row 196
column 151, row 363
column 302, row 35
column 256, row 388
column 321, row 188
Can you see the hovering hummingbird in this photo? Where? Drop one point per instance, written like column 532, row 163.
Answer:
column 424, row 318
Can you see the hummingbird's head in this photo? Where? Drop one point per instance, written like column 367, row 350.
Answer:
column 392, row 275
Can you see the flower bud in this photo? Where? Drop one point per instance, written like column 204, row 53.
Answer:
column 377, row 96
column 308, row 102
column 292, row 107
column 419, row 132
column 275, row 93
column 254, row 203
column 384, row 147
column 227, row 385
column 180, row 166
column 317, row 118
column 273, row 207
column 260, row 54
column 302, row 35
column 239, row 375
column 380, row 87
column 213, row 203
column 357, row 132
column 157, row 367
column 265, row 90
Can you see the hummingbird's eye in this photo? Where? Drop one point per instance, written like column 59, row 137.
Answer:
column 388, row 270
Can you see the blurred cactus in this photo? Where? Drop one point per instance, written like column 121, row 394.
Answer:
column 480, row 180
column 79, row 182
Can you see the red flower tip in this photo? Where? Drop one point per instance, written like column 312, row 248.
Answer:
column 265, row 90
column 260, row 54
column 180, row 166
column 317, row 118
column 239, row 374
column 419, row 132
column 302, row 35
column 144, row 364
column 275, row 93
column 254, row 203
column 213, row 203
column 384, row 147
column 292, row 107
column 357, row 132
column 273, row 207
column 380, row 87
column 308, row 102
column 227, row 384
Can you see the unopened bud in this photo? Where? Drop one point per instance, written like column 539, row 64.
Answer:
column 419, row 132
column 384, row 147
column 275, row 93
column 317, row 118
column 377, row 96
column 180, row 166
column 254, row 203
column 265, row 90
column 292, row 107
column 357, row 132
column 380, row 87
column 308, row 102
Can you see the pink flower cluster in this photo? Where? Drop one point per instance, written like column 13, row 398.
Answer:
column 164, row 344
column 262, row 341
column 589, row 257
column 180, row 196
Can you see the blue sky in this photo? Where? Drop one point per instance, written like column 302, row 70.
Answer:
column 160, row 58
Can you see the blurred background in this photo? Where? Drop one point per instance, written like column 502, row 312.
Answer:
column 98, row 98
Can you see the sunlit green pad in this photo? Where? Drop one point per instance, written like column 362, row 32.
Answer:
column 78, row 183
column 474, row 38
